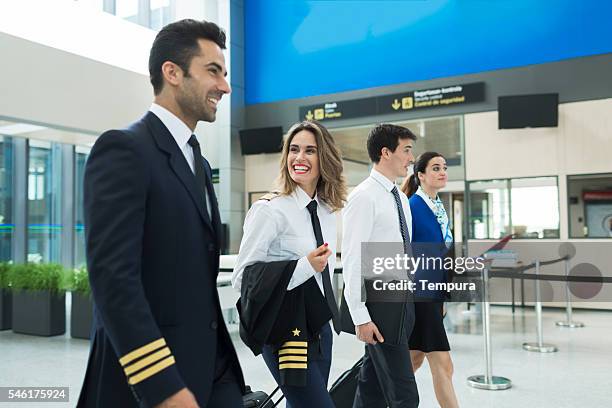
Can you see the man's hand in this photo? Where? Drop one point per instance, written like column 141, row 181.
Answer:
column 318, row 257
column 182, row 399
column 368, row 333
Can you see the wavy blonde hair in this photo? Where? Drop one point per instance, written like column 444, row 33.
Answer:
column 330, row 187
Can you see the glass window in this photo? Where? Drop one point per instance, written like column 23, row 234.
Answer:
column 590, row 205
column 44, row 201
column 127, row 9
column 442, row 135
column 525, row 207
column 81, row 155
column 95, row 4
column 160, row 14
column 534, row 206
column 489, row 217
column 6, row 198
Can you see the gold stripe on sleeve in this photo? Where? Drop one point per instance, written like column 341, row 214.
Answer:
column 154, row 369
column 295, row 344
column 292, row 351
column 292, row 365
column 153, row 358
column 141, row 351
column 292, row 358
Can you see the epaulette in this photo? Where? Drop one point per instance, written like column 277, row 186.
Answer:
column 270, row 196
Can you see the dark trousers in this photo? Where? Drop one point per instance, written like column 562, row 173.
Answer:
column 226, row 392
column 315, row 393
column 225, row 395
column 386, row 378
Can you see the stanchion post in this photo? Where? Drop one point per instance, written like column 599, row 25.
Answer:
column 487, row 381
column 568, row 303
column 539, row 346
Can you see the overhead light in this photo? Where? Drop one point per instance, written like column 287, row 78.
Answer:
column 421, row 126
column 19, row 128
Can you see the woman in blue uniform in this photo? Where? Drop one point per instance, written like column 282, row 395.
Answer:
column 431, row 233
column 281, row 226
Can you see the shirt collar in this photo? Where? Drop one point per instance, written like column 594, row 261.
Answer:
column 304, row 199
column 421, row 193
column 177, row 128
column 383, row 180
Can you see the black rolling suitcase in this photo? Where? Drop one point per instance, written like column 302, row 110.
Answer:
column 342, row 391
column 259, row 399
column 344, row 388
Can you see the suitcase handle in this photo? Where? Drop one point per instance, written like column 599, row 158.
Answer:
column 264, row 403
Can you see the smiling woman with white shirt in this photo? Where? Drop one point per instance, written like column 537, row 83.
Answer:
column 431, row 231
column 298, row 223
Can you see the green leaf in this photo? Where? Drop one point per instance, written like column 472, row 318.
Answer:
column 31, row 276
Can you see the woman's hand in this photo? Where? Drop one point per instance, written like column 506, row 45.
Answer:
column 318, row 257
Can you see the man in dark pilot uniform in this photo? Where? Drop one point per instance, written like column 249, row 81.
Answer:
column 153, row 233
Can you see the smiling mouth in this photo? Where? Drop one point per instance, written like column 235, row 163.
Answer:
column 213, row 101
column 300, row 169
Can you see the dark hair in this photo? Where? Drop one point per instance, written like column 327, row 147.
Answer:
column 412, row 183
column 178, row 42
column 386, row 135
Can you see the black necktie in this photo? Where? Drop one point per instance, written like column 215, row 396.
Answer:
column 403, row 227
column 402, row 221
column 327, row 286
column 200, row 173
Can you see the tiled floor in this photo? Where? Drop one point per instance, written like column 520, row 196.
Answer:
column 579, row 375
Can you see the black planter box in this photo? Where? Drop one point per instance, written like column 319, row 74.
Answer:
column 6, row 309
column 81, row 316
column 39, row 313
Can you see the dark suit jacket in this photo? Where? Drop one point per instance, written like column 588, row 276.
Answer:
column 269, row 312
column 284, row 319
column 153, row 258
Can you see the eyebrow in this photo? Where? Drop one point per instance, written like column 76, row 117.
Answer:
column 297, row 145
column 218, row 66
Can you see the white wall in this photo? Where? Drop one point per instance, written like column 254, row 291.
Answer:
column 44, row 85
column 79, row 29
column 261, row 171
column 581, row 144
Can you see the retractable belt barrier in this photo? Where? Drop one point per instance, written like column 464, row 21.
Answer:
column 488, row 381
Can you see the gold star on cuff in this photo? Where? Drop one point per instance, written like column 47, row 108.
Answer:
column 296, row 332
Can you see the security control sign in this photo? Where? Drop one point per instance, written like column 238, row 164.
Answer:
column 395, row 103
column 432, row 98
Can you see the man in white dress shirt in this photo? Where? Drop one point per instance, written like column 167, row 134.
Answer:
column 377, row 211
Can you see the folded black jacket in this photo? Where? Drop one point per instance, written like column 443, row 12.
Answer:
column 289, row 321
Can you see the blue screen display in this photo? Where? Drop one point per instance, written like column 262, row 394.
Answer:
column 298, row 48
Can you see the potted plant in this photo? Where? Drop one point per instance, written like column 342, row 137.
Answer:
column 81, row 313
column 6, row 298
column 39, row 299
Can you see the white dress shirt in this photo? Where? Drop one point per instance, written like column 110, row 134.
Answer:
column 370, row 215
column 181, row 134
column 281, row 229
